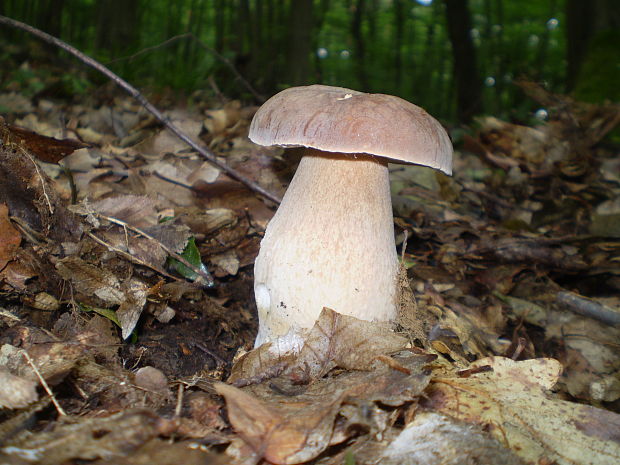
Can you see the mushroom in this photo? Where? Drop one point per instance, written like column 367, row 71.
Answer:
column 331, row 241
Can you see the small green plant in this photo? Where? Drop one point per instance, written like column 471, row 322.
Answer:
column 27, row 80
column 349, row 458
column 192, row 255
column 110, row 315
column 75, row 84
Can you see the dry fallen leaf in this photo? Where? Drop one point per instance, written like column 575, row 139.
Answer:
column 91, row 280
column 130, row 309
column 88, row 439
column 286, row 422
column 135, row 210
column 346, row 342
column 277, row 438
column 16, row 391
column 511, row 403
column 435, row 439
column 9, row 237
column 44, row 148
column 334, row 340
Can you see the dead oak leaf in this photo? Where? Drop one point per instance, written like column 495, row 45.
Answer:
column 113, row 437
column 9, row 237
column 511, row 402
column 279, row 438
column 45, row 148
column 287, row 423
column 346, row 342
column 335, row 340
column 91, row 280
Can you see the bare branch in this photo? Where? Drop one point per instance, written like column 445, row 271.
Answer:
column 204, row 152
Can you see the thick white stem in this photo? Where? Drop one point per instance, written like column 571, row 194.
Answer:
column 330, row 244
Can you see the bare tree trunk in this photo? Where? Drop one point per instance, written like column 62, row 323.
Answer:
column 360, row 46
column 300, row 43
column 49, row 16
column 584, row 19
column 399, row 21
column 117, row 25
column 220, row 24
column 468, row 83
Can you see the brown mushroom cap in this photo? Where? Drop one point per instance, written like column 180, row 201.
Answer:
column 335, row 119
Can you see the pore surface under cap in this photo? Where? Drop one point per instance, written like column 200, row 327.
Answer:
column 335, row 119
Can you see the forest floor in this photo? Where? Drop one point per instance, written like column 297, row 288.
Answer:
column 114, row 351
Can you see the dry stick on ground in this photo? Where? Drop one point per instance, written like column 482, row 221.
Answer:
column 60, row 410
column 588, row 308
column 206, row 278
column 129, row 257
column 205, row 153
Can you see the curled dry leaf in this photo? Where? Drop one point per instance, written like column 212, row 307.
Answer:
column 130, row 309
column 346, row 342
column 43, row 147
column 511, row 403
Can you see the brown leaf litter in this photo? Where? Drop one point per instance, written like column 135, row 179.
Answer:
column 487, row 367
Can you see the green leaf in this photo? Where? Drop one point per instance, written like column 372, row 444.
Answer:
column 110, row 315
column 104, row 312
column 349, row 458
column 192, row 255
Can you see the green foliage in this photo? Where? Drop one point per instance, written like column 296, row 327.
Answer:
column 75, row 84
column 400, row 47
column 192, row 255
column 110, row 315
column 104, row 312
column 598, row 78
column 27, row 80
column 349, row 458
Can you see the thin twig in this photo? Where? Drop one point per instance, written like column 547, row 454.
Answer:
column 60, row 410
column 41, row 179
column 205, row 275
column 588, row 308
column 179, row 406
column 129, row 257
column 205, row 153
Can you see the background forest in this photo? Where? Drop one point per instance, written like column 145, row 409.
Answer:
column 456, row 58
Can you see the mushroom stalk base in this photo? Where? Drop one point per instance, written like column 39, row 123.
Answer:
column 330, row 244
